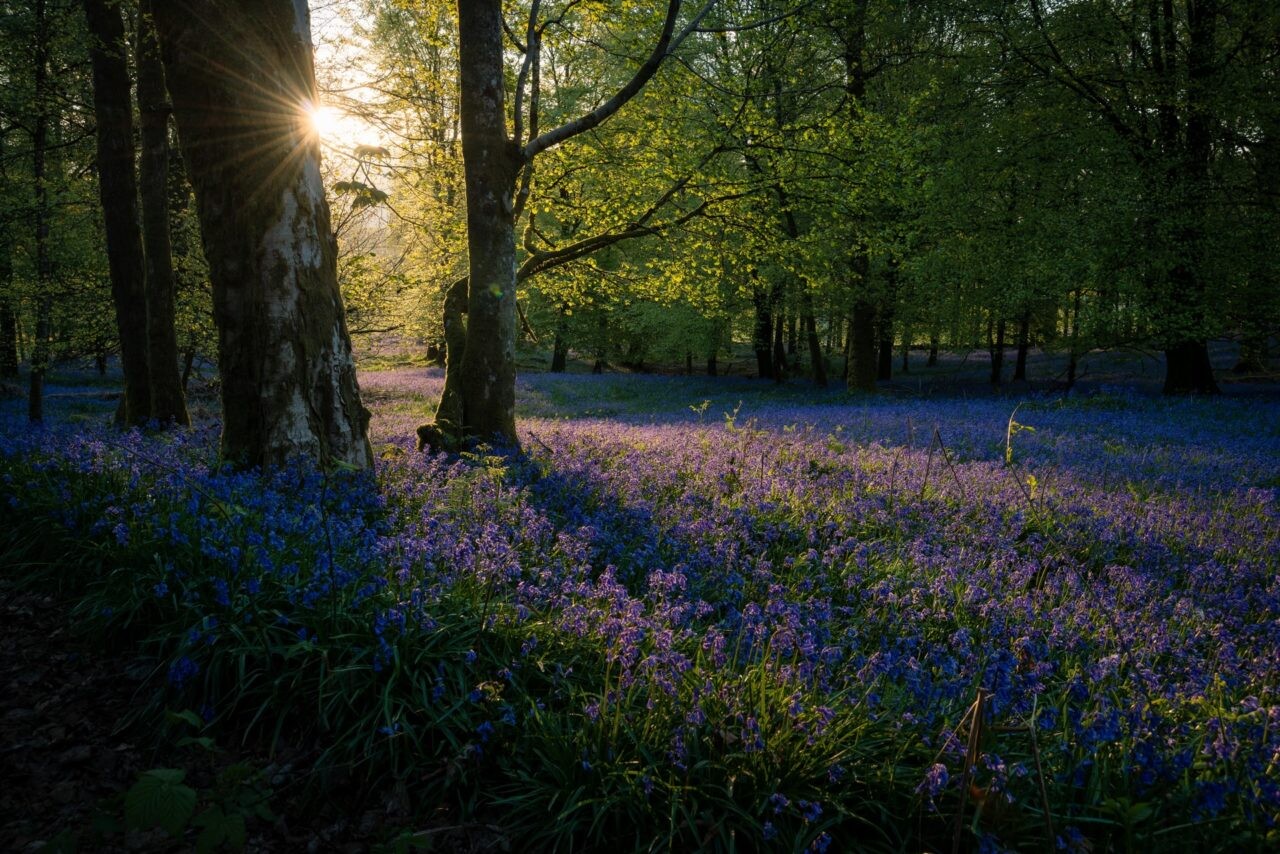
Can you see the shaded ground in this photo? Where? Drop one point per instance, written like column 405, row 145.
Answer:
column 68, row 754
column 58, row 715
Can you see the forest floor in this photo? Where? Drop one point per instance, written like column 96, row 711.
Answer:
column 68, row 749
column 71, row 748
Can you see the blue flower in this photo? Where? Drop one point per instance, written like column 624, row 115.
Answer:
column 182, row 670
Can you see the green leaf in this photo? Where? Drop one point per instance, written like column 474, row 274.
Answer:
column 203, row 741
column 219, row 827
column 235, row 831
column 214, row 822
column 186, row 716
column 159, row 799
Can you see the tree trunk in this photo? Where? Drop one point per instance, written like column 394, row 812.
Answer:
column 188, row 367
column 793, row 334
column 933, row 351
column 1190, row 152
column 1024, row 344
column 1188, row 369
column 714, row 350
column 491, row 163
column 449, row 412
column 861, row 344
column 559, row 354
column 118, row 188
column 1074, row 347
column 762, row 335
column 779, row 346
column 906, row 349
column 40, row 212
column 884, row 362
column 817, row 361
column 8, row 317
column 887, row 316
column 997, row 352
column 167, row 402
column 241, row 77
column 860, row 361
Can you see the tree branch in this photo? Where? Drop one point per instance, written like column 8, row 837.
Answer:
column 530, row 51
column 667, row 42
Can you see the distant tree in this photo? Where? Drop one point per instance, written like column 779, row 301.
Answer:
column 241, row 77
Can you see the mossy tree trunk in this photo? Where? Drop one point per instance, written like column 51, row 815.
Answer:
column 491, row 163
column 241, row 78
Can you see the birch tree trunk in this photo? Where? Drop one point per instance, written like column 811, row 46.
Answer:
column 241, row 78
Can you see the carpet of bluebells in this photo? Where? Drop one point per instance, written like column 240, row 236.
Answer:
column 713, row 614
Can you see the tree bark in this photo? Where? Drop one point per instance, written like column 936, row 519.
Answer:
column 779, row 345
column 997, row 352
column 817, row 361
column 1024, row 344
column 8, row 317
column 168, row 405
column 861, row 347
column 491, row 163
column 40, row 212
column 762, row 338
column 1187, row 366
column 933, row 351
column 860, row 363
column 884, row 362
column 449, row 412
column 559, row 354
column 241, row 77
column 1073, row 358
column 888, row 302
column 713, row 351
column 117, row 185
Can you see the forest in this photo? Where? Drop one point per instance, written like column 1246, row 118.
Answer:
column 583, row 425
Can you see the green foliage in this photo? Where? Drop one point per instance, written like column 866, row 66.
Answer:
column 159, row 799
